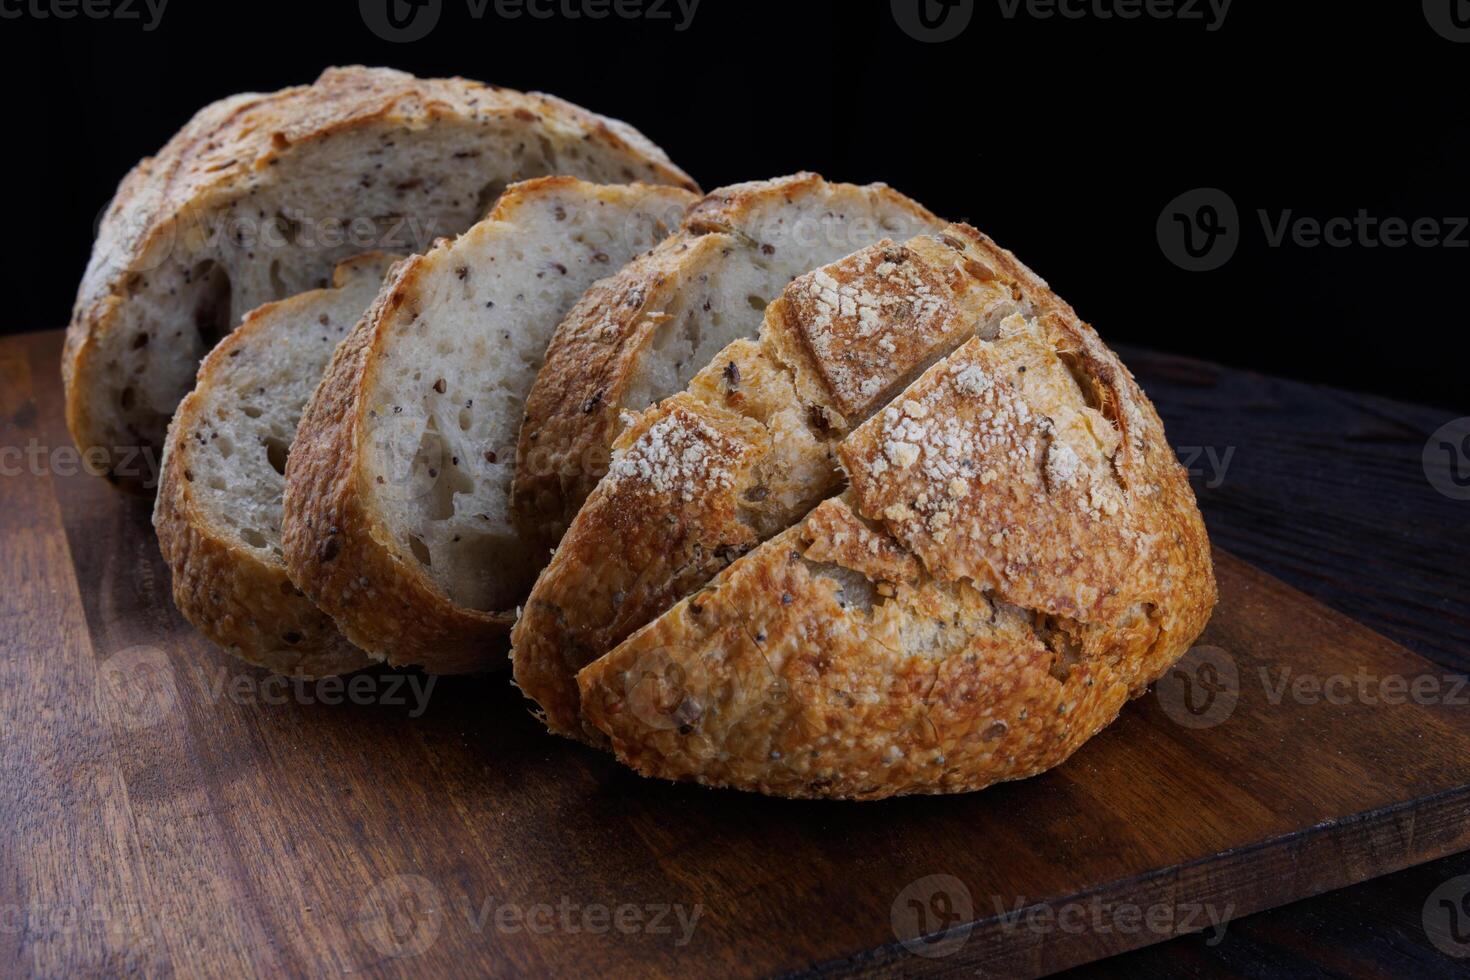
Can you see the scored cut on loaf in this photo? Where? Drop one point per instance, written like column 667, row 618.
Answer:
column 258, row 197
column 780, row 405
column 1016, row 553
column 642, row 335
column 397, row 491
column 218, row 509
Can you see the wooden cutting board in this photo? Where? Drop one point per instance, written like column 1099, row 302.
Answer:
column 166, row 809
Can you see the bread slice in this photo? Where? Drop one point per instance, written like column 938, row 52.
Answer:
column 258, row 197
column 1018, row 550
column 218, row 510
column 643, row 334
column 397, row 493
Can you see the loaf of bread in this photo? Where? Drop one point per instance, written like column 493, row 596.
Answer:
column 1017, row 550
column 218, row 509
column 641, row 335
column 260, row 196
column 397, row 490
column 839, row 500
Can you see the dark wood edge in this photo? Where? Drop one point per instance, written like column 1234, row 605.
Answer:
column 1304, row 864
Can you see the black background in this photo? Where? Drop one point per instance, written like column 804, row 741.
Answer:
column 1063, row 138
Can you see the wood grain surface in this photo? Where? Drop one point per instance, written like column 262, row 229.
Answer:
column 168, row 810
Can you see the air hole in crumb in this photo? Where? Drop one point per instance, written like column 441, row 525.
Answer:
column 276, row 451
column 251, row 412
column 292, row 638
column 129, row 398
column 420, row 550
column 212, row 303
column 254, row 538
column 756, row 303
column 464, row 420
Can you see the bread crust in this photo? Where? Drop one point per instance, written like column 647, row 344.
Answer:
column 1018, row 553
column 573, row 414
column 338, row 550
column 230, row 592
column 228, row 145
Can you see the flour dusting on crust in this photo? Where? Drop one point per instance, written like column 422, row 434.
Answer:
column 679, row 454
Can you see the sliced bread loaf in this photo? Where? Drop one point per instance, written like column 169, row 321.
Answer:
column 643, row 334
column 258, row 197
column 218, row 509
column 397, row 492
column 1018, row 553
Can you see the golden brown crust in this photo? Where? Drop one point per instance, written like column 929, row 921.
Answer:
column 239, row 599
column 229, row 143
column 573, row 412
